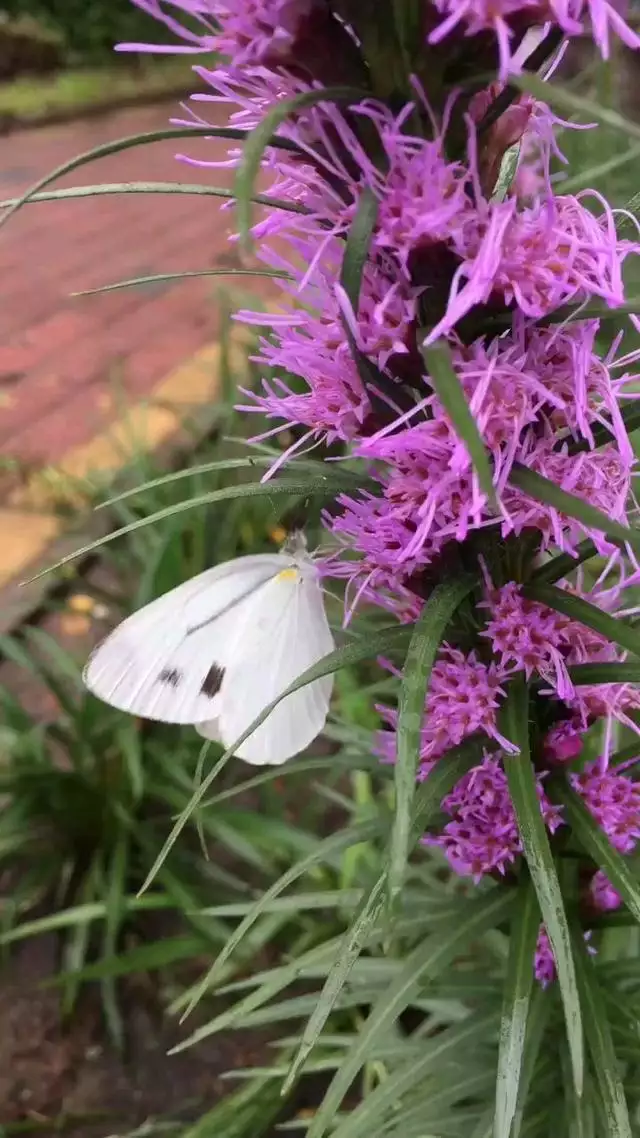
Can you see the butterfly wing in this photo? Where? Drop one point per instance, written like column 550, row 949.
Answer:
column 285, row 632
column 167, row 661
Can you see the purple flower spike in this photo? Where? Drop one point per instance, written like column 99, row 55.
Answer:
column 483, row 834
column 614, row 801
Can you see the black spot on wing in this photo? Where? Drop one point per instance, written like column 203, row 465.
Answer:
column 212, row 681
column 170, row 676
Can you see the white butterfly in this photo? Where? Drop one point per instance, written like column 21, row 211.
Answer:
column 215, row 651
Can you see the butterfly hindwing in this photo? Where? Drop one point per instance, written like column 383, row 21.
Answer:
column 284, row 632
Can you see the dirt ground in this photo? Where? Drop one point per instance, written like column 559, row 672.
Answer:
column 57, row 1078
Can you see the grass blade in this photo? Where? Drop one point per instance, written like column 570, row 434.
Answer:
column 570, row 103
column 427, row 960
column 443, row 1048
column 357, row 246
column 447, row 386
column 598, row 846
column 605, row 674
column 99, row 189
column 259, row 138
column 165, row 278
column 328, row 846
column 120, row 144
column 346, row 957
column 416, row 674
column 515, row 1008
column 612, row 628
column 358, row 650
column 326, row 484
column 563, row 564
column 537, row 851
column 543, row 490
column 600, row 1043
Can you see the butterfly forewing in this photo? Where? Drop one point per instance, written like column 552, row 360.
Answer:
column 168, row 661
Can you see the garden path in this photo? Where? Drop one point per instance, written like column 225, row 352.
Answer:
column 69, row 366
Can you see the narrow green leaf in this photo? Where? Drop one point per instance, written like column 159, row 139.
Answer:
column 595, row 310
column 327, row 484
column 161, row 278
column 259, row 138
column 328, row 846
column 598, row 846
column 586, row 178
column 543, row 490
column 613, row 628
column 306, row 465
column 424, row 963
column 560, row 566
column 120, row 144
column 99, row 189
column 515, row 1008
column 364, row 648
column 538, row 1019
column 444, row 776
column 426, row 639
column 346, row 957
column 604, row 673
column 446, row 384
column 570, row 103
column 537, row 851
column 600, row 1043
column 436, row 1053
column 357, row 246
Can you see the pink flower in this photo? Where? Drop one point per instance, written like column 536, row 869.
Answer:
column 603, row 895
column 614, row 801
column 483, row 836
column 564, row 742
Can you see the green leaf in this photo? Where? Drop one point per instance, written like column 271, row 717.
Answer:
column 560, row 566
column 339, row 841
column 363, row 648
column 595, row 310
column 444, row 776
column 346, row 957
column 422, row 965
column 576, row 608
column 307, row 465
column 537, row 851
column 586, row 178
column 569, row 103
column 543, row 490
column 446, row 384
column 515, row 1008
column 538, row 1019
column 159, row 278
column 101, row 188
column 357, row 246
column 327, row 484
column 597, row 845
column 604, row 673
column 426, row 639
column 120, row 144
column 600, row 1043
column 436, row 1053
column 260, row 137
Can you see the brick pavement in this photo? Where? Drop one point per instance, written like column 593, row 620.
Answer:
column 68, row 364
